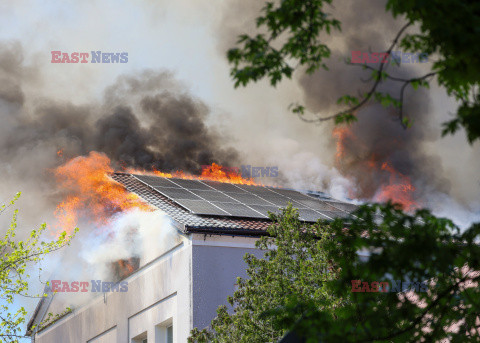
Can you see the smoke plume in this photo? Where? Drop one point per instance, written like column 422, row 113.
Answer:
column 377, row 145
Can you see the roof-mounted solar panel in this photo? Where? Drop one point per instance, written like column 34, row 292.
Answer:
column 310, row 215
column 246, row 201
column 291, row 194
column 253, row 188
column 213, row 195
column 156, row 181
column 202, row 207
column 239, row 210
column 342, row 206
column 265, row 209
column 177, row 193
column 281, row 201
column 224, row 187
column 316, row 204
column 335, row 214
column 191, row 184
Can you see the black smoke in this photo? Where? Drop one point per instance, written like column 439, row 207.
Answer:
column 377, row 137
column 145, row 121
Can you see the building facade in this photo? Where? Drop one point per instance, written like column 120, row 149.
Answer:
column 182, row 287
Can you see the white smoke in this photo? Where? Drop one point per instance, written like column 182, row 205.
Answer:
column 134, row 233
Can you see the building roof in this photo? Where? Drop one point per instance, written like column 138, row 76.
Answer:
column 215, row 207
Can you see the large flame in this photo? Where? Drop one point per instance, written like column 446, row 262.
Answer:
column 216, row 172
column 341, row 134
column 397, row 187
column 90, row 193
column 213, row 172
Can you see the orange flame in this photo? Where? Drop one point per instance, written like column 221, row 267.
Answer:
column 341, row 134
column 213, row 172
column 216, row 172
column 91, row 193
column 400, row 189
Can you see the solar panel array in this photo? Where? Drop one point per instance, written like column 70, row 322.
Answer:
column 244, row 201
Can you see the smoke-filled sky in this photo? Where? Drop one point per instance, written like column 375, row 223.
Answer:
column 173, row 105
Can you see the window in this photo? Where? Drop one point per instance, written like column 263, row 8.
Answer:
column 170, row 334
column 164, row 332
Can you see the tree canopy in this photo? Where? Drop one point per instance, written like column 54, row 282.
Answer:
column 294, row 271
column 380, row 276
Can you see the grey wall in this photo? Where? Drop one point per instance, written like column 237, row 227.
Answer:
column 215, row 270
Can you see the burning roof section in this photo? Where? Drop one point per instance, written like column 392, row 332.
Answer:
column 216, row 207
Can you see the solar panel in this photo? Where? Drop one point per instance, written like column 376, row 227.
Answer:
column 248, row 199
column 177, row 193
column 318, row 195
column 191, row 184
column 156, row 181
column 253, row 189
column 342, row 205
column 261, row 191
column 224, row 187
column 310, row 215
column 201, row 207
column 213, row 195
column 238, row 210
column 269, row 196
column 280, row 201
column 335, row 214
column 292, row 194
column 317, row 205
column 265, row 209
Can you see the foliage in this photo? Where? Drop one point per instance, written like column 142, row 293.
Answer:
column 294, row 272
column 290, row 36
column 16, row 257
column 418, row 248
column 289, row 288
column 299, row 23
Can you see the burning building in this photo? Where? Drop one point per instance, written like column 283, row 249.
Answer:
column 179, row 288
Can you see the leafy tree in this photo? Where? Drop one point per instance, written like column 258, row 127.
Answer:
column 291, row 38
column 306, row 282
column 16, row 258
column 295, row 271
column 438, row 267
